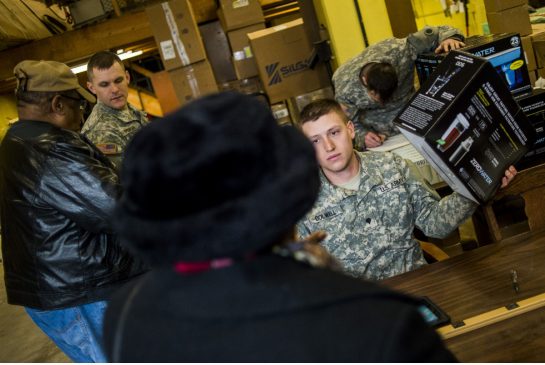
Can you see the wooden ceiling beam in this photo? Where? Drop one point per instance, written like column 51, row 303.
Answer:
column 72, row 46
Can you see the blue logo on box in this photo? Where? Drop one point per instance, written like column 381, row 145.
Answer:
column 276, row 73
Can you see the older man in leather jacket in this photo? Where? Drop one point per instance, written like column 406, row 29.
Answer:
column 61, row 259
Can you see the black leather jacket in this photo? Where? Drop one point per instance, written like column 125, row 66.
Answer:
column 57, row 194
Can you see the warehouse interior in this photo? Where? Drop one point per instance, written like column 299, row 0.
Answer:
column 333, row 32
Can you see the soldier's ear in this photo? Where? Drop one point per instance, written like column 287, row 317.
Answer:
column 351, row 129
column 91, row 87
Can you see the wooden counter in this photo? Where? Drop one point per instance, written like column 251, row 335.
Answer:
column 480, row 281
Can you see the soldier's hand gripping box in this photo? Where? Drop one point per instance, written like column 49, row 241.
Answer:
column 504, row 51
column 465, row 122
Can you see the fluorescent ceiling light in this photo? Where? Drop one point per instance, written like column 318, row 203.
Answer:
column 79, row 69
column 122, row 56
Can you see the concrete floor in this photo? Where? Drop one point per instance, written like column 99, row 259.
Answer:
column 20, row 339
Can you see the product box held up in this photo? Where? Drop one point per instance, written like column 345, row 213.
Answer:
column 504, row 51
column 465, row 122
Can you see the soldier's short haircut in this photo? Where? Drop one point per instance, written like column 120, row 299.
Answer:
column 319, row 108
column 102, row 60
column 381, row 78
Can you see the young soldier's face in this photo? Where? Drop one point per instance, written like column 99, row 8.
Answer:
column 332, row 140
column 111, row 86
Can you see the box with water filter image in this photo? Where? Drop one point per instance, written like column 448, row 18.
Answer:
column 504, row 51
column 465, row 122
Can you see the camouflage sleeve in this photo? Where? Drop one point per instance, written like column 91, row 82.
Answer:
column 106, row 136
column 446, row 215
column 429, row 38
column 348, row 90
column 116, row 161
column 301, row 230
column 446, row 31
column 361, row 131
column 343, row 83
column 435, row 217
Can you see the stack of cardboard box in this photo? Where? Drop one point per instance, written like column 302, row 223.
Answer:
column 272, row 62
column 506, row 16
column 182, row 50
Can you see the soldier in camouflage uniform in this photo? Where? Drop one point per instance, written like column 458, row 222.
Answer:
column 370, row 202
column 372, row 114
column 113, row 121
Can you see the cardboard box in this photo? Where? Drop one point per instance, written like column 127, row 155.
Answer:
column 533, row 106
column 465, row 122
column 243, row 58
column 176, row 33
column 529, row 54
column 234, row 14
column 218, row 50
column 504, row 51
column 282, row 54
column 510, row 20
column 193, row 81
column 499, row 5
column 281, row 113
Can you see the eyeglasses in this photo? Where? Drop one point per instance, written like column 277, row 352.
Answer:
column 82, row 102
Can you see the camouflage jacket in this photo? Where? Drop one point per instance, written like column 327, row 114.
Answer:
column 106, row 125
column 370, row 231
column 367, row 114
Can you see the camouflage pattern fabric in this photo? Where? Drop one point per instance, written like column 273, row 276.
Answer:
column 110, row 126
column 370, row 231
column 367, row 114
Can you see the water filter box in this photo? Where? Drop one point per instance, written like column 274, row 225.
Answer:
column 466, row 123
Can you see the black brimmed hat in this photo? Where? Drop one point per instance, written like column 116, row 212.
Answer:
column 218, row 178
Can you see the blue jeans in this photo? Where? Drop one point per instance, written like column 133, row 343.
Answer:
column 77, row 331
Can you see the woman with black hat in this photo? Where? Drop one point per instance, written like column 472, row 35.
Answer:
column 212, row 194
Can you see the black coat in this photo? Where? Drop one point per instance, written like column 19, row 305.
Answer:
column 57, row 195
column 270, row 309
